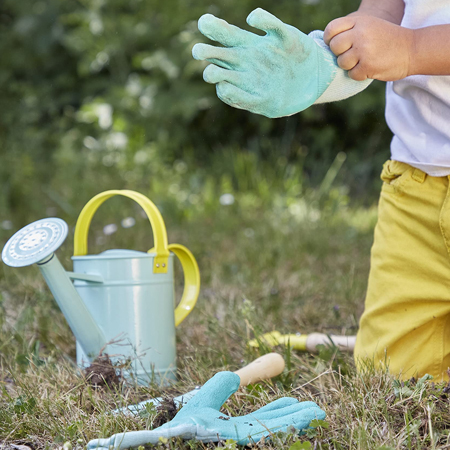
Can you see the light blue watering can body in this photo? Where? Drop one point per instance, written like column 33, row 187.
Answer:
column 134, row 309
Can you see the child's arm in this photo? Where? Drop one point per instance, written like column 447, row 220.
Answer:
column 390, row 10
column 370, row 43
column 429, row 55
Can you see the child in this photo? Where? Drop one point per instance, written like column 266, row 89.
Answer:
column 406, row 322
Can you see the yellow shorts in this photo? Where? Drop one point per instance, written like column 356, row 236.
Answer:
column 406, row 322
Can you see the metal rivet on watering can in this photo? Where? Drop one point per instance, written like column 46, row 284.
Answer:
column 117, row 294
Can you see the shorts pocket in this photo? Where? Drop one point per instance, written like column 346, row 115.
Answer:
column 395, row 175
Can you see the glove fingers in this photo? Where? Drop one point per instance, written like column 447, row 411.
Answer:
column 299, row 420
column 284, row 411
column 236, row 97
column 221, row 31
column 220, row 56
column 214, row 393
column 278, row 404
column 98, row 444
column 251, row 428
column 213, row 74
column 263, row 20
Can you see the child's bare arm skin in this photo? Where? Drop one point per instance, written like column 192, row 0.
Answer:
column 390, row 10
column 370, row 43
column 430, row 52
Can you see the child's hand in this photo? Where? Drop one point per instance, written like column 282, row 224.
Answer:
column 369, row 47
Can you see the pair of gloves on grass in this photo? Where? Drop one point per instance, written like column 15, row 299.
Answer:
column 202, row 420
column 275, row 75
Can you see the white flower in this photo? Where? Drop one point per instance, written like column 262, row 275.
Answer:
column 249, row 232
column 226, row 199
column 104, row 113
column 7, row 225
column 109, row 229
column 116, row 141
column 128, row 222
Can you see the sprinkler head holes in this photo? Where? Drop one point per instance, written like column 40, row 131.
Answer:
column 35, row 242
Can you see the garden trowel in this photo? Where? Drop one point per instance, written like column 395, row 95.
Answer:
column 305, row 342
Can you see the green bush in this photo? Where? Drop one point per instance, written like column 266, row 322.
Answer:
column 101, row 94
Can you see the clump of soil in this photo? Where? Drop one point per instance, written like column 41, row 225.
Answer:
column 102, row 373
column 166, row 412
column 446, row 389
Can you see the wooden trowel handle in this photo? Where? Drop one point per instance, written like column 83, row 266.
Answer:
column 265, row 367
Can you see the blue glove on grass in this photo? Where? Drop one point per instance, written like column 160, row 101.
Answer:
column 202, row 420
column 279, row 74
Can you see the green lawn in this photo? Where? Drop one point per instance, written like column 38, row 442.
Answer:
column 294, row 263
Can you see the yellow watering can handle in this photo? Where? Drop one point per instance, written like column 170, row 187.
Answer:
column 191, row 281
column 156, row 221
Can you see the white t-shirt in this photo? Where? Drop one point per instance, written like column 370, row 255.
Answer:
column 418, row 107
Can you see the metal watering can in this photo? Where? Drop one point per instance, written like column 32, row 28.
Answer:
column 122, row 301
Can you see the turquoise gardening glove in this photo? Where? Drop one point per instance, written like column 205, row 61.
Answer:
column 202, row 420
column 279, row 74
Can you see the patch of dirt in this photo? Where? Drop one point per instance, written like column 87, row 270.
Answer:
column 9, row 385
column 167, row 410
column 102, row 373
column 446, row 389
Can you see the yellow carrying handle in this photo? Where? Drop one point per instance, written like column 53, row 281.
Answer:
column 160, row 261
column 191, row 282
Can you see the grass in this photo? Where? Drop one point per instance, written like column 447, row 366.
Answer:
column 269, row 261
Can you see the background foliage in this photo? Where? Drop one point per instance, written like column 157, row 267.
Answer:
column 99, row 94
